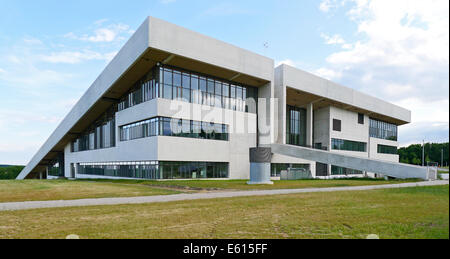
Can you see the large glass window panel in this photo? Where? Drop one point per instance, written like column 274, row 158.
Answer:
column 168, row 77
column 194, row 83
column 226, row 90
column 186, row 95
column 177, row 81
column 186, row 81
column 211, row 86
column 167, row 92
column 347, row 145
column 203, row 87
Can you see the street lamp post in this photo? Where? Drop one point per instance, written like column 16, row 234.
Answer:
column 423, row 153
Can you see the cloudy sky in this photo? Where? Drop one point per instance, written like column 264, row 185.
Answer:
column 51, row 51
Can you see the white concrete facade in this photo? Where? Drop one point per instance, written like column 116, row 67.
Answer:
column 158, row 42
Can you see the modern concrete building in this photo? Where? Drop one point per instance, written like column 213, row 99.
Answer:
column 175, row 104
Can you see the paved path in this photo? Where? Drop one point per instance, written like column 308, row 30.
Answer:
column 196, row 196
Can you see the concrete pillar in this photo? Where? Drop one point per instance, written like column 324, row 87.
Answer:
column 309, row 124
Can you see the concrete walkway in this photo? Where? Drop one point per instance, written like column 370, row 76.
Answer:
column 196, row 196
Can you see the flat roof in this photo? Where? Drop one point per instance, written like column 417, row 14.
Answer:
column 330, row 93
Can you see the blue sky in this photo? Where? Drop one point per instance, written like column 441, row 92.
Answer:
column 51, row 52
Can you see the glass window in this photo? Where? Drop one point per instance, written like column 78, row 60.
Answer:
column 203, row 84
column 176, row 85
column 296, row 126
column 194, row 83
column 226, row 90
column 186, row 81
column 384, row 149
column 347, row 145
column 383, row 130
column 173, row 127
column 337, row 125
column 211, row 86
column 218, row 89
column 360, row 118
column 168, row 77
column 177, row 79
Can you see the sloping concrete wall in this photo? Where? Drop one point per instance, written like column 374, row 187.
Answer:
column 370, row 165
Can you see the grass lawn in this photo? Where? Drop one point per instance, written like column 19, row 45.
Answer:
column 419, row 212
column 43, row 190
column 242, row 184
column 36, row 190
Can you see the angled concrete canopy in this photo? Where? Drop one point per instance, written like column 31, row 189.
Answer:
column 155, row 41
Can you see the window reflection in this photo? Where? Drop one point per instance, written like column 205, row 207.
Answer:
column 174, row 84
column 175, row 128
column 383, row 130
column 156, row 170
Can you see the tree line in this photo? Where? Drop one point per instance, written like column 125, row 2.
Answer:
column 10, row 172
column 413, row 154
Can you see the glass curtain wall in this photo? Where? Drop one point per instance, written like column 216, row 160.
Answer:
column 155, row 170
column 296, row 126
column 336, row 170
column 383, row 130
column 391, row 150
column 277, row 168
column 348, row 145
column 176, row 84
column 163, row 126
column 101, row 134
column 56, row 167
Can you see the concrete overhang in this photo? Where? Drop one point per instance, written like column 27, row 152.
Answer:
column 303, row 88
column 155, row 41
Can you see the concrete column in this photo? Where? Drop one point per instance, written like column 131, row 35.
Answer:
column 309, row 124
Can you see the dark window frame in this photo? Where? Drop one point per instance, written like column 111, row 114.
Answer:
column 361, row 119
column 337, row 125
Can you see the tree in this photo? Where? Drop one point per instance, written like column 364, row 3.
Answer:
column 413, row 153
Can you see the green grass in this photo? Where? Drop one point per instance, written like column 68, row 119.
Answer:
column 242, row 184
column 419, row 212
column 43, row 190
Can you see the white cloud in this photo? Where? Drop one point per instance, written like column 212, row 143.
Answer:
column 32, row 41
column 326, row 5
column 334, row 40
column 402, row 55
column 287, row 62
column 106, row 34
column 328, row 73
